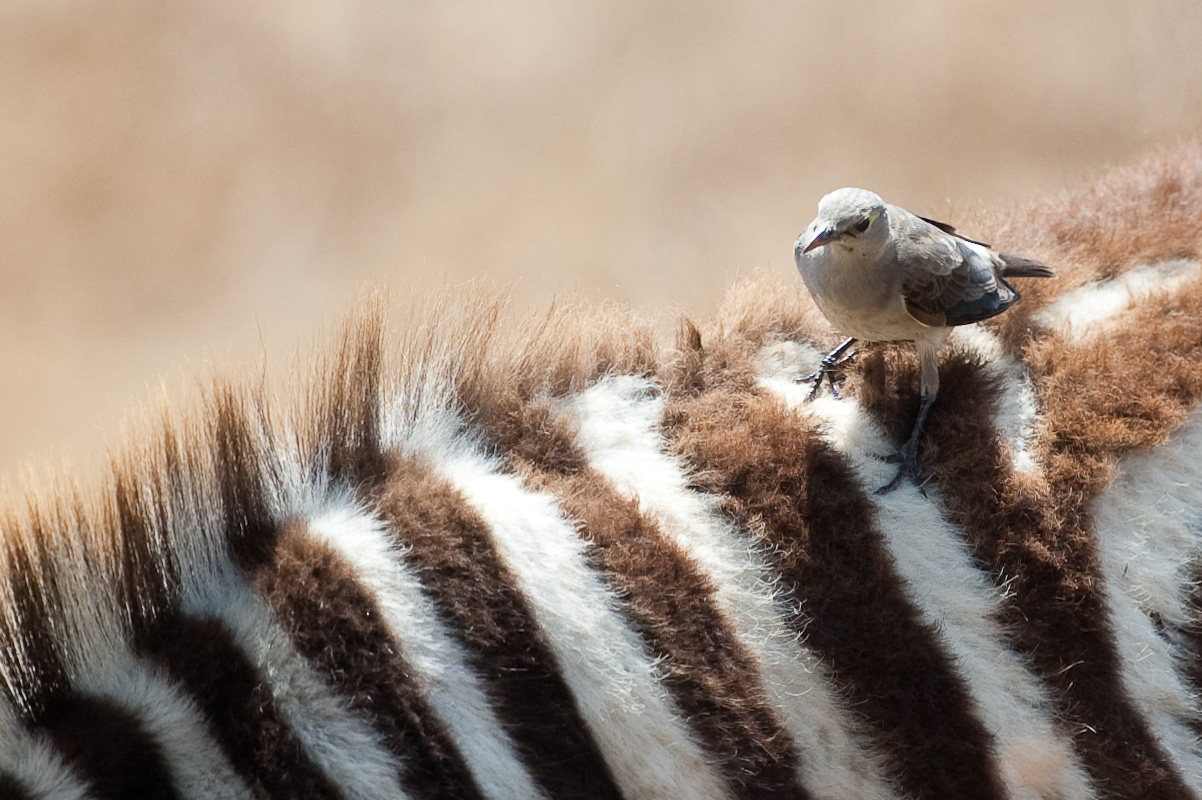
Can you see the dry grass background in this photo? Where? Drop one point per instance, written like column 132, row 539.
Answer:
column 184, row 181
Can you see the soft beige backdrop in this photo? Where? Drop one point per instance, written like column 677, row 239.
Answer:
column 183, row 182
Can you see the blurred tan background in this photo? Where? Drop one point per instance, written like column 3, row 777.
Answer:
column 183, row 182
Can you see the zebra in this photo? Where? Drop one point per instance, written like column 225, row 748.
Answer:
column 563, row 558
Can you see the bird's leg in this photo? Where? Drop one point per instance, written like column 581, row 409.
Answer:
column 909, row 451
column 830, row 365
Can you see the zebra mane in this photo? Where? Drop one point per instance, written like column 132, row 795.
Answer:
column 1037, row 411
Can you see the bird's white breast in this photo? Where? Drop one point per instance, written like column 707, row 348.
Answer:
column 859, row 296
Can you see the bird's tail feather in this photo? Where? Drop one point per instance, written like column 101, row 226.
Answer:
column 1022, row 267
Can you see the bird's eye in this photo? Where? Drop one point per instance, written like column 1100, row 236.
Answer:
column 862, row 225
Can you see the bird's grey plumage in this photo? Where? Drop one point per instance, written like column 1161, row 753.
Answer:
column 946, row 280
column 880, row 273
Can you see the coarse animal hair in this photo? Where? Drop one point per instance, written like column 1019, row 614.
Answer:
column 562, row 557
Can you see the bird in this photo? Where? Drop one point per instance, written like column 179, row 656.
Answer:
column 880, row 273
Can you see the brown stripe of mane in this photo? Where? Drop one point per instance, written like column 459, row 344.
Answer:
column 201, row 656
column 780, row 480
column 706, row 668
column 109, row 748
column 479, row 598
column 336, row 625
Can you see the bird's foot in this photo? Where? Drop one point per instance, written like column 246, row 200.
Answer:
column 815, row 378
column 909, row 452
column 828, row 369
column 907, row 461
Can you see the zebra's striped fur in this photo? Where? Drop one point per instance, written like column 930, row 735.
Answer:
column 566, row 561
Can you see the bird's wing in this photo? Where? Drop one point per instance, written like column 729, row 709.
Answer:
column 946, row 279
column 1012, row 265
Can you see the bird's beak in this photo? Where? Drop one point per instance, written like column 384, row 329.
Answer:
column 819, row 238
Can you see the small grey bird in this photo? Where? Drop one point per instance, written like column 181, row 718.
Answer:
column 880, row 273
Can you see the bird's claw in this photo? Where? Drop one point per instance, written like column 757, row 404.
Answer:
column 907, row 460
column 909, row 452
column 827, row 369
column 816, row 379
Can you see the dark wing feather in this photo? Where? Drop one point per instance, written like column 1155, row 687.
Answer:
column 943, row 226
column 944, row 282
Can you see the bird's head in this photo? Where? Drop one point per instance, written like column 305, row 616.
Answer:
column 854, row 218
